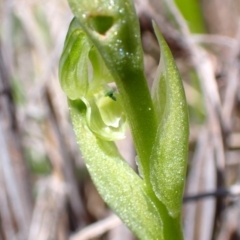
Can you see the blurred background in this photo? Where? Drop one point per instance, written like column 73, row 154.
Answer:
column 45, row 190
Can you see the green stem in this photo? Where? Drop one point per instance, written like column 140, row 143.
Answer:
column 172, row 227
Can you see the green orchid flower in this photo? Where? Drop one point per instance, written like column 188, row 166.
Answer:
column 83, row 75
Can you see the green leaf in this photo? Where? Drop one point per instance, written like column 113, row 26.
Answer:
column 168, row 159
column 121, row 188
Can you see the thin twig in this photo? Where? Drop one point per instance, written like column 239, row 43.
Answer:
column 232, row 84
column 215, row 39
column 97, row 229
column 233, row 191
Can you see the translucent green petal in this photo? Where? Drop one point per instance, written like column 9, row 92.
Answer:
column 73, row 66
column 110, row 110
column 105, row 116
column 101, row 74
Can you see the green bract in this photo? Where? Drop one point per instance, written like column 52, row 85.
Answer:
column 169, row 153
column 101, row 72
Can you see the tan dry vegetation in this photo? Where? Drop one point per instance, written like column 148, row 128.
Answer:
column 45, row 191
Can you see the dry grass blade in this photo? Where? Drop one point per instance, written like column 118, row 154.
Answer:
column 232, row 88
column 49, row 211
column 14, row 173
column 97, row 229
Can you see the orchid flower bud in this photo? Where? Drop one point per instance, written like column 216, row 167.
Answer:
column 83, row 75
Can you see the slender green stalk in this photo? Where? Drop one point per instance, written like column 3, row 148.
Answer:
column 192, row 12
